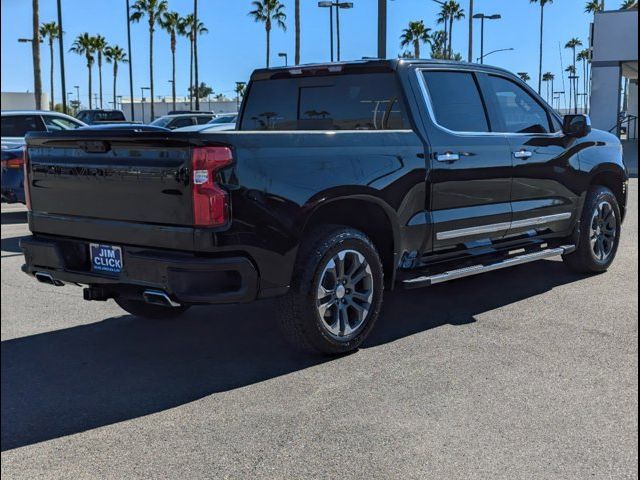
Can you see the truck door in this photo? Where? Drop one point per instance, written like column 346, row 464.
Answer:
column 470, row 167
column 542, row 198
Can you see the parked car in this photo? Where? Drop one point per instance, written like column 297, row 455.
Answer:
column 11, row 165
column 99, row 116
column 182, row 120
column 221, row 123
column 16, row 123
column 341, row 181
column 180, row 112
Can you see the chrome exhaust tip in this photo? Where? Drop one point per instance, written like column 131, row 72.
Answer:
column 44, row 277
column 157, row 297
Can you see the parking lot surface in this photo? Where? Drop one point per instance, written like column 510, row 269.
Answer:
column 530, row 372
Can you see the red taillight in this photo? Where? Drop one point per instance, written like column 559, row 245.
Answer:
column 27, row 190
column 210, row 202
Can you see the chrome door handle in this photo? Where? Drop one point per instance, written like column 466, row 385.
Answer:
column 448, row 157
column 522, row 154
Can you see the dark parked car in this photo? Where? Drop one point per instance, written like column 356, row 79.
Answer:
column 182, row 120
column 12, row 163
column 97, row 117
column 341, row 180
column 16, row 124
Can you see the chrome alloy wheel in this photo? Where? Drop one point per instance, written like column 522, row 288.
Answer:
column 604, row 228
column 344, row 293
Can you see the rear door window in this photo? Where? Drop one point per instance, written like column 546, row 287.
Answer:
column 19, row 125
column 56, row 124
column 181, row 122
column 342, row 102
column 520, row 112
column 455, row 100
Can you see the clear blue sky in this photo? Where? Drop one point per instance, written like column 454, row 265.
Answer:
column 235, row 45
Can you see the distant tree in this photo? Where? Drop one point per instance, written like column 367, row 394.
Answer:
column 542, row 3
column 188, row 29
column 171, row 22
column 594, row 6
column 50, row 31
column 415, row 34
column 99, row 46
column 628, row 4
column 115, row 55
column 439, row 44
column 203, row 91
column 455, row 12
column 524, row 76
column 152, row 10
column 548, row 78
column 84, row 46
column 268, row 12
column 35, row 52
column 584, row 56
column 573, row 99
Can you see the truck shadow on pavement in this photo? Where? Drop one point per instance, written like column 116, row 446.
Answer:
column 68, row 381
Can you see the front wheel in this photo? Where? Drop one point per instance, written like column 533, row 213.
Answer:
column 140, row 308
column 336, row 292
column 599, row 233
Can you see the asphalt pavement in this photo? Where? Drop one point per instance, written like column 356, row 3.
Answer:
column 529, row 373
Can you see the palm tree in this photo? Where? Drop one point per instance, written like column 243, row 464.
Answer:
column 573, row 44
column 83, row 45
column 297, row 28
column 50, row 31
column 584, row 57
column 152, row 9
column 628, row 4
column 187, row 29
column 115, row 55
column 438, row 44
column 571, row 71
column 170, row 22
column 415, row 34
column 99, row 46
column 542, row 3
column 548, row 78
column 267, row 12
column 455, row 13
column 35, row 53
column 443, row 19
column 524, row 76
column 594, row 6
column 241, row 88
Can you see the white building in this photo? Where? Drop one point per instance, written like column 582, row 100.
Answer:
column 22, row 101
column 614, row 65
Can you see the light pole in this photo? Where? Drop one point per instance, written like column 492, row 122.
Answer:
column 574, row 86
column 482, row 18
column 77, row 87
column 481, row 59
column 559, row 94
column 142, row 89
column 133, row 115
column 338, row 6
column 63, row 82
column 286, row 58
column 382, row 28
column 173, row 97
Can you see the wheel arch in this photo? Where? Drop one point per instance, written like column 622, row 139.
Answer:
column 614, row 178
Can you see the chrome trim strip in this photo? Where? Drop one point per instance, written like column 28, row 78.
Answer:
column 496, row 227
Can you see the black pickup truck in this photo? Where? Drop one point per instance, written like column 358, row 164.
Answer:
column 341, row 180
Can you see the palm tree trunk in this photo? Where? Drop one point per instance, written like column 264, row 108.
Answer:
column 191, row 70
column 90, row 90
column 173, row 77
column 52, row 102
column 297, row 28
column 195, row 53
column 470, row 53
column 100, row 77
column 268, row 45
column 416, row 48
column 540, row 55
column 151, row 71
column 115, row 79
column 575, row 90
column 450, row 51
column 35, row 53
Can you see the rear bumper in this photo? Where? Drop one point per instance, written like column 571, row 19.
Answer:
column 185, row 277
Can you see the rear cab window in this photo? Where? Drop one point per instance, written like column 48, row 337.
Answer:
column 362, row 101
column 19, row 125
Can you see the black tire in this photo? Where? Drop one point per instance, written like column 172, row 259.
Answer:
column 585, row 258
column 299, row 315
column 139, row 308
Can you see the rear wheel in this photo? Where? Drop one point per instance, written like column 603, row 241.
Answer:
column 336, row 292
column 599, row 233
column 140, row 308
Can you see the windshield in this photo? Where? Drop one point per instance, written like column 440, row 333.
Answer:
column 161, row 122
column 225, row 119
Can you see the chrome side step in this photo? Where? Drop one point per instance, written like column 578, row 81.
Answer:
column 425, row 281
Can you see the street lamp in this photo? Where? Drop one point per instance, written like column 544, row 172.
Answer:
column 482, row 18
column 480, row 59
column 142, row 89
column 77, row 87
column 286, row 58
column 559, row 94
column 574, row 85
column 338, row 6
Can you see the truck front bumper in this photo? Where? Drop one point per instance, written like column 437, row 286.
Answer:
column 184, row 277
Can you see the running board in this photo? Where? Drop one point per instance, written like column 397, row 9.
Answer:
column 425, row 281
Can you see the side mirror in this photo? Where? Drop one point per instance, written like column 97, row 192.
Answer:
column 576, row 125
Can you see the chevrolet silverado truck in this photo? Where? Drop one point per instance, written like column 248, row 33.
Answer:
column 340, row 181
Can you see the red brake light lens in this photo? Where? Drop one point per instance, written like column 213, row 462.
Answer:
column 25, row 180
column 210, row 201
